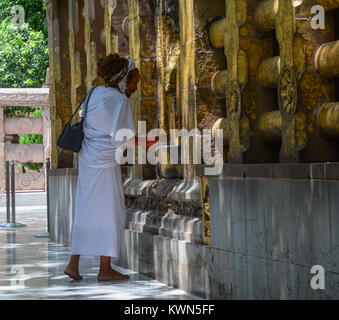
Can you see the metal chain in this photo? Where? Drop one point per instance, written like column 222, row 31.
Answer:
column 31, row 180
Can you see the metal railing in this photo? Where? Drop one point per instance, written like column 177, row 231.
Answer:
column 10, row 196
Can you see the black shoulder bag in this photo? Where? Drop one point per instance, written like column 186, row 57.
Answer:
column 72, row 134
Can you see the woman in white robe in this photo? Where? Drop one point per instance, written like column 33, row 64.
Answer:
column 99, row 218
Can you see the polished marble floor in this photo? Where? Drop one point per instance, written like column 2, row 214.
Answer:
column 32, row 268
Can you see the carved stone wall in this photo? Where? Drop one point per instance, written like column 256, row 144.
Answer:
column 34, row 153
column 254, row 68
column 290, row 67
column 260, row 56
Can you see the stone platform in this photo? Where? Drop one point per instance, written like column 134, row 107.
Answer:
column 269, row 225
column 32, row 268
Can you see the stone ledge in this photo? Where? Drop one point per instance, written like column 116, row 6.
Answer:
column 164, row 194
column 214, row 273
column 167, row 224
column 326, row 171
column 24, row 97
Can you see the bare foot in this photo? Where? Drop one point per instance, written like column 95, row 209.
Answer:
column 72, row 274
column 110, row 274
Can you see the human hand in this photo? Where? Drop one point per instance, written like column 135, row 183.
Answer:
column 151, row 140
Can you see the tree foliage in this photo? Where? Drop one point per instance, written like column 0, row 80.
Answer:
column 24, row 57
column 35, row 13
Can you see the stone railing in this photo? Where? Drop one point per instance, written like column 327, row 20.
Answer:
column 24, row 125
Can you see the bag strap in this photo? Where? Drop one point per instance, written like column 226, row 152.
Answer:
column 87, row 96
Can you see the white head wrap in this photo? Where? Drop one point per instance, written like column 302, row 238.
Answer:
column 122, row 83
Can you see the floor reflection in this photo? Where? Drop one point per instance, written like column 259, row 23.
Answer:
column 32, row 268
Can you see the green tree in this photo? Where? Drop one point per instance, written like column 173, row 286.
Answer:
column 35, row 13
column 24, row 57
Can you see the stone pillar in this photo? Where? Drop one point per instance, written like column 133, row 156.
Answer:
column 90, row 46
column 189, row 189
column 46, row 118
column 187, row 80
column 55, row 75
column 109, row 35
column 142, row 42
column 288, row 81
column 47, row 132
column 168, row 50
column 74, row 57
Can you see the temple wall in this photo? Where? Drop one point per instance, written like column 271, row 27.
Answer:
column 61, row 211
column 226, row 65
column 257, row 70
column 269, row 225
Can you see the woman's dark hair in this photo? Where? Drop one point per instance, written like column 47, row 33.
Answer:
column 111, row 65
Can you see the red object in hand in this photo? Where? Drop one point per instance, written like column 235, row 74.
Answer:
column 150, row 142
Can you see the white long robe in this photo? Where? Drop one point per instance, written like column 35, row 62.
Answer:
column 99, row 218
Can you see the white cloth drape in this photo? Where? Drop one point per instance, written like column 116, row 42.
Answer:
column 99, row 217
